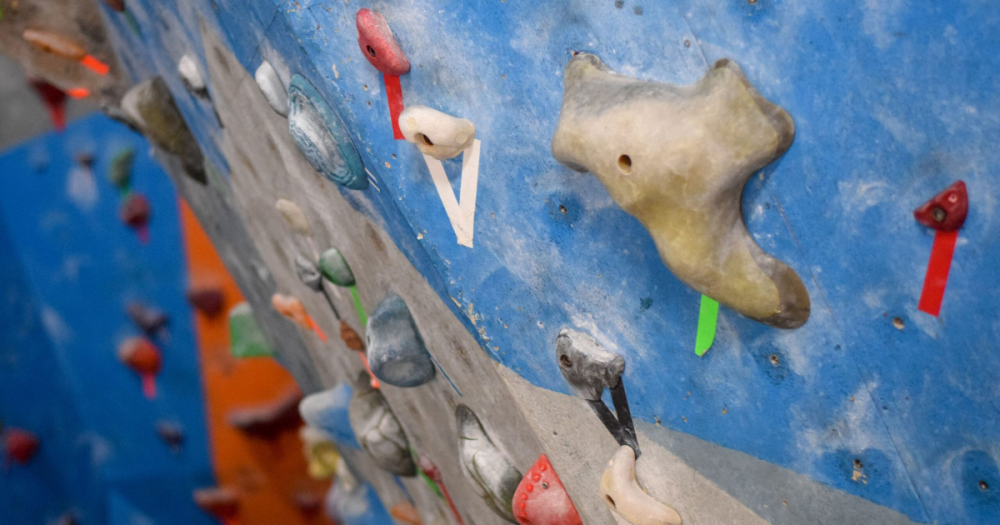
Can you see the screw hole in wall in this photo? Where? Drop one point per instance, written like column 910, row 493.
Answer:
column 625, row 164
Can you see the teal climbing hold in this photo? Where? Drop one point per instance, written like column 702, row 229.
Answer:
column 321, row 136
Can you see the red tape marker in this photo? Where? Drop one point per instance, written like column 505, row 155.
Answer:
column 937, row 272
column 149, row 386
column 394, row 95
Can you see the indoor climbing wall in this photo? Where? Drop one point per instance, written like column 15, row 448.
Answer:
column 530, row 216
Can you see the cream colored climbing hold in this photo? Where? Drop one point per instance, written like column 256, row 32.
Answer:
column 621, row 493
column 293, row 215
column 677, row 158
column 190, row 73
column 436, row 134
column 271, row 87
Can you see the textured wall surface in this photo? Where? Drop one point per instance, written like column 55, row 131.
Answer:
column 891, row 103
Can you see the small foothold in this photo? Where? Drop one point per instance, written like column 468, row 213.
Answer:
column 120, row 172
column 405, row 513
column 378, row 45
column 308, row 502
column 191, row 75
column 677, row 158
column 293, row 216
column 378, row 430
column 245, row 336
column 621, row 493
column 586, row 365
column 271, row 419
column 171, row 433
column 947, row 210
column 494, row 477
column 135, row 211
column 20, row 445
column 56, row 44
column 320, row 452
column 272, row 88
column 116, row 5
column 396, row 352
column 328, row 412
column 335, row 269
column 141, row 355
column 351, row 338
column 55, row 102
column 150, row 320
column 209, row 300
column 292, row 308
column 436, row 134
column 220, row 502
column 321, row 136
column 550, row 504
column 308, row 273
column 151, row 107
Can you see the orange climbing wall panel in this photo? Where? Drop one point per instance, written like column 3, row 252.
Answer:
column 268, row 474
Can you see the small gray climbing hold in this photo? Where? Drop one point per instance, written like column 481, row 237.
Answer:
column 328, row 411
column 308, row 273
column 334, row 267
column 271, row 87
column 493, row 476
column 322, row 137
column 587, row 367
column 396, row 352
column 191, row 75
column 378, row 430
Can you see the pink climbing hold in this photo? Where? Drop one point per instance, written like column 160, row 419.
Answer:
column 378, row 45
column 947, row 210
column 540, row 499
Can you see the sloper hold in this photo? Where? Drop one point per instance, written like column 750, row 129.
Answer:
column 334, row 267
column 321, row 136
column 947, row 210
column 378, row 45
column 436, row 134
column 493, row 476
column 621, row 493
column 586, row 365
column 396, row 352
column 293, row 215
column 245, row 336
column 328, row 411
column 541, row 498
column 378, row 430
column 151, row 107
column 677, row 158
column 271, row 87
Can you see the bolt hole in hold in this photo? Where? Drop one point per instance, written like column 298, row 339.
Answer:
column 939, row 215
column 983, row 485
column 775, row 360
column 565, row 361
column 425, row 140
column 625, row 164
column 858, row 465
column 898, row 323
column 371, row 51
column 562, row 209
column 610, row 501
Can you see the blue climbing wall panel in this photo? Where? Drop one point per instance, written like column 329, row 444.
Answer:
column 892, row 103
column 69, row 267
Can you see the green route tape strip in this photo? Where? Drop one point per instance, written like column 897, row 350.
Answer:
column 708, row 314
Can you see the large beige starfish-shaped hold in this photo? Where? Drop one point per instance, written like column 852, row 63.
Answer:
column 677, row 158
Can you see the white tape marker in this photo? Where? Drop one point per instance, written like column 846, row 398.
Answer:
column 461, row 212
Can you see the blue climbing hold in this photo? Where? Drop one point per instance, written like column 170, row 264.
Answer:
column 396, row 352
column 327, row 411
column 321, row 136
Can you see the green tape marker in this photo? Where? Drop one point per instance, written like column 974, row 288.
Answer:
column 357, row 305
column 708, row 314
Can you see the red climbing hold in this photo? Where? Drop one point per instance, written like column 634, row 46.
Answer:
column 947, row 211
column 549, row 505
column 117, row 5
column 208, row 300
column 55, row 102
column 20, row 445
column 378, row 45
column 220, row 502
column 142, row 356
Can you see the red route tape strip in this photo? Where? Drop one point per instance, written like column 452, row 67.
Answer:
column 937, row 272
column 394, row 94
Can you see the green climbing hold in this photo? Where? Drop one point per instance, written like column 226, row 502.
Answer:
column 120, row 173
column 335, row 269
column 245, row 337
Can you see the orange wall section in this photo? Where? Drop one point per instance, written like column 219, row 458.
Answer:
column 268, row 474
